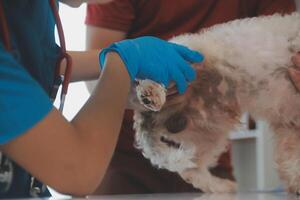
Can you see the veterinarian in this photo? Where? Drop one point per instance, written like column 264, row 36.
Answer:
column 129, row 171
column 71, row 157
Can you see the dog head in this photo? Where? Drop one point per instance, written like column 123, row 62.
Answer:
column 187, row 127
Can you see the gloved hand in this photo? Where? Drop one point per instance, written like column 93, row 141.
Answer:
column 157, row 60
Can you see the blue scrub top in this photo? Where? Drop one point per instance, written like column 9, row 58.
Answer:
column 26, row 73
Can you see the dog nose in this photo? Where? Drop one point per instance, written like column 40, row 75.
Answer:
column 176, row 123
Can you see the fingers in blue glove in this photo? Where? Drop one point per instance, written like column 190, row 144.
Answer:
column 187, row 54
column 180, row 81
column 165, row 81
column 187, row 70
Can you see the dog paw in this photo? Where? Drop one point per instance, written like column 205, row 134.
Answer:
column 294, row 190
column 208, row 183
column 151, row 94
column 225, row 186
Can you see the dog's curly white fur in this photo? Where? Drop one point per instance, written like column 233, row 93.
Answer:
column 245, row 70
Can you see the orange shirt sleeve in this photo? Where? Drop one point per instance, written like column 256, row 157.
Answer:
column 116, row 15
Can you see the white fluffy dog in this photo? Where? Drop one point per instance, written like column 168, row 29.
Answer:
column 245, row 70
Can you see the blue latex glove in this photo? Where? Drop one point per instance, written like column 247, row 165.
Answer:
column 155, row 59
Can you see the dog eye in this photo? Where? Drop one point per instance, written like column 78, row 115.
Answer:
column 176, row 123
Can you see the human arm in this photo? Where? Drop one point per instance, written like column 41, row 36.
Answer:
column 86, row 63
column 98, row 34
column 100, row 37
column 72, row 156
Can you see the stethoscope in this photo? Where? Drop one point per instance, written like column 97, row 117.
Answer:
column 58, row 79
column 36, row 187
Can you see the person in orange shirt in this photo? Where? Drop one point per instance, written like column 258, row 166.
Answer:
column 129, row 171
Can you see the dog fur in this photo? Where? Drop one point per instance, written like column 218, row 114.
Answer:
column 245, row 70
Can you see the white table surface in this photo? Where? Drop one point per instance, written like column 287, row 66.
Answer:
column 193, row 196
